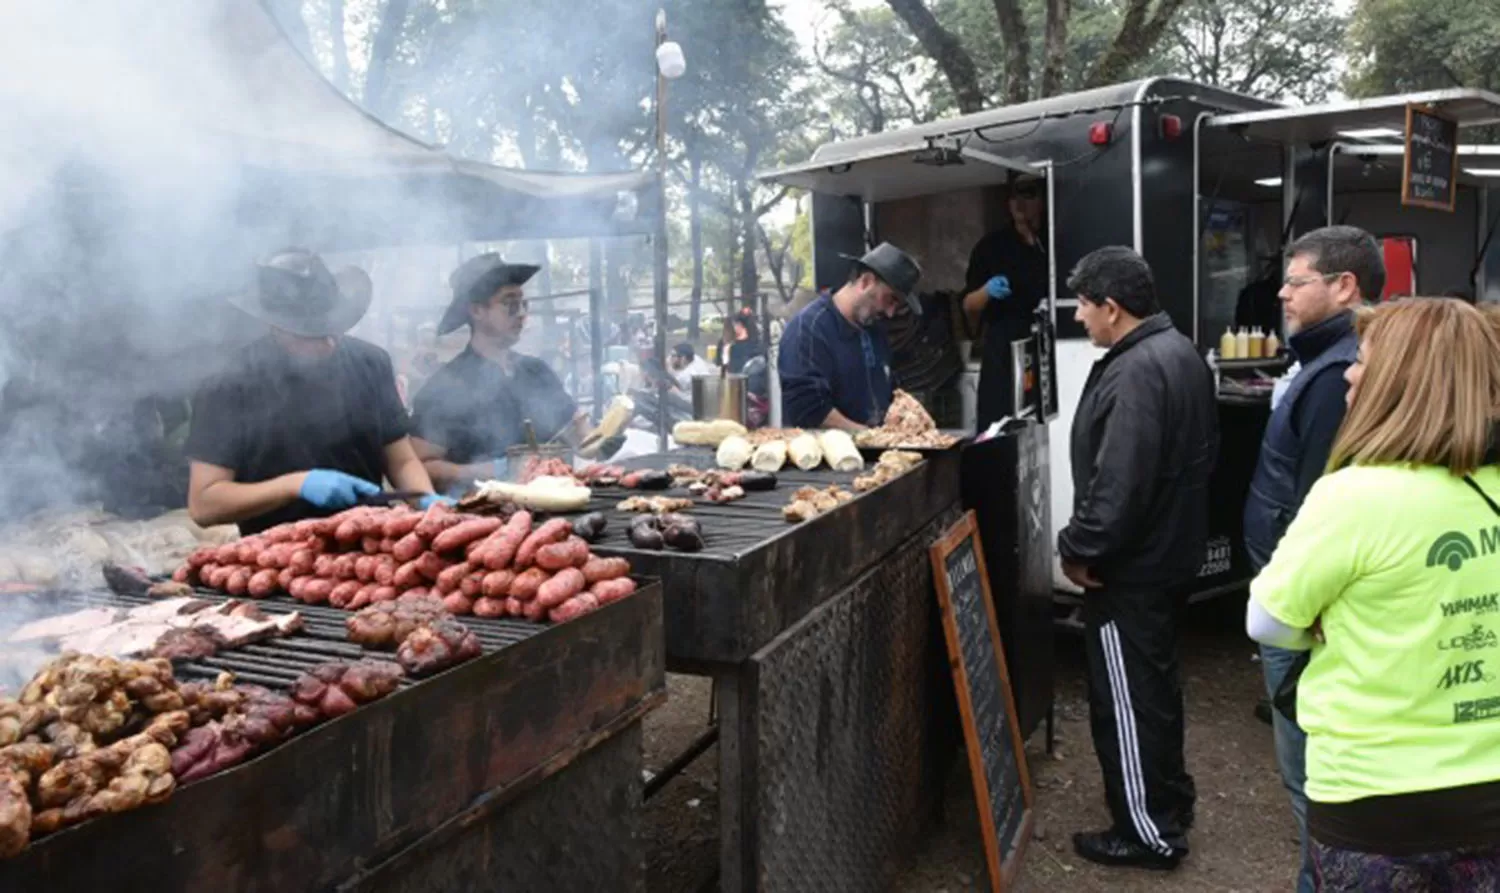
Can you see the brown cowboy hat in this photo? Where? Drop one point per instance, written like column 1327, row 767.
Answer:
column 295, row 291
column 476, row 280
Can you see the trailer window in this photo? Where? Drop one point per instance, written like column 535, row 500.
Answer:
column 1400, row 266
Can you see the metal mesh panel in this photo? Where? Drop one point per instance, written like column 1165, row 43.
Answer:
column 853, row 730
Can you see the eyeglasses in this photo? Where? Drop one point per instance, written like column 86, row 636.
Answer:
column 1299, row 281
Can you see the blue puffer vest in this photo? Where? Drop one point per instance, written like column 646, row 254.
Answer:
column 1274, row 500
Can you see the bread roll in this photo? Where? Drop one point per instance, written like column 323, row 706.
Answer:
column 839, row 451
column 733, row 453
column 769, row 456
column 805, row 452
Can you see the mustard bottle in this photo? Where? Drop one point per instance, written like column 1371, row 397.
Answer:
column 1226, row 344
column 1273, row 345
column 1257, row 344
column 1242, row 344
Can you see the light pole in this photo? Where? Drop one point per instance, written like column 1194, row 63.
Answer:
column 670, row 65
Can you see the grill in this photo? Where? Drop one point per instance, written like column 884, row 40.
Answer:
column 412, row 792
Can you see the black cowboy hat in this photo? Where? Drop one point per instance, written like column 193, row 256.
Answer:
column 477, row 279
column 295, row 291
column 895, row 268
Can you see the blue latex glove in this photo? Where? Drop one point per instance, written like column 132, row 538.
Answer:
column 329, row 489
column 998, row 288
column 432, row 499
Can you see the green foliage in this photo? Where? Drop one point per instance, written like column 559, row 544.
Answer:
column 1406, row 45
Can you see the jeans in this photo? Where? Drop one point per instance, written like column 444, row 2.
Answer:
column 1291, row 755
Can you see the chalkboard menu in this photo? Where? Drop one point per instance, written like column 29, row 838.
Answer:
column 1429, row 174
column 997, row 756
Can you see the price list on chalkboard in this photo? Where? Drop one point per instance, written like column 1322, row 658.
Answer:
column 986, row 703
column 1429, row 176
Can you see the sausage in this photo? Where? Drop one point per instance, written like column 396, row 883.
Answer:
column 435, row 520
column 323, row 566
column 248, row 550
column 229, row 553
column 554, row 531
column 201, row 556
column 343, row 593
column 489, row 607
column 216, row 576
column 302, row 560
column 574, row 608
column 371, row 545
column 571, row 552
column 349, row 531
column 515, row 607
column 607, row 592
column 399, row 523
column 507, row 541
column 533, row 611
column 590, row 526
column 362, row 597
column 430, row 565
column 457, row 604
column 385, row 569
column 565, row 584
column 296, row 588
column 343, row 567
column 472, row 585
column 281, row 533
column 317, row 590
column 449, row 580
column 364, row 568
column 262, row 583
column 646, row 536
column 415, row 592
column 308, row 528
column 238, row 582
column 407, row 576
column 599, row 569
column 408, row 547
column 270, row 556
column 524, row 587
column 284, row 579
column 463, row 533
column 496, row 584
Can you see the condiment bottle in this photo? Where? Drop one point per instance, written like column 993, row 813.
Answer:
column 1257, row 344
column 1242, row 344
column 1226, row 344
column 1273, row 345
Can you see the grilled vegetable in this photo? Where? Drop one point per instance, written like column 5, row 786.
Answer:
column 591, row 526
column 752, row 481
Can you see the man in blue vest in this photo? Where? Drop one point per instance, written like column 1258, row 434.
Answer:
column 1329, row 273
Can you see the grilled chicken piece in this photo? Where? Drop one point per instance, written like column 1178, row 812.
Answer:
column 15, row 814
column 19, row 721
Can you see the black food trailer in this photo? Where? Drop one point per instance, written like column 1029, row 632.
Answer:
column 1208, row 185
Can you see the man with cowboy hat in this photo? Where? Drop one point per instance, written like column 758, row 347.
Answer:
column 306, row 420
column 475, row 407
column 834, row 360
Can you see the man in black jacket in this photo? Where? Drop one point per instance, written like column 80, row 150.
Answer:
column 1144, row 440
column 1329, row 272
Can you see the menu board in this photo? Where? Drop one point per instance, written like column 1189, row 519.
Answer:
column 997, row 756
column 1429, row 173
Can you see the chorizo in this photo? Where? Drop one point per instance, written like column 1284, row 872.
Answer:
column 281, row 533
column 415, row 593
column 385, row 569
column 463, row 533
column 343, row 593
column 525, row 585
column 362, row 597
column 399, row 523
column 607, row 592
column 248, row 550
column 600, row 569
column 262, row 583
column 515, row 607
column 508, row 541
column 297, row 588
column 430, row 565
column 496, row 584
column 407, row 576
column 371, row 545
column 323, row 566
column 574, row 608
column 451, row 577
column 489, row 607
column 472, row 585
column 408, row 547
column 383, row 594
column 458, row 604
column 554, row 531
column 238, row 582
column 218, row 576
column 565, row 584
column 284, row 579
column 201, row 556
column 364, row 568
column 533, row 611
column 308, row 528
column 343, row 567
column 571, row 552
column 183, row 574
column 317, row 590
column 229, row 553
column 438, row 517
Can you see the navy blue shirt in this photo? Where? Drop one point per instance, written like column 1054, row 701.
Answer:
column 826, row 362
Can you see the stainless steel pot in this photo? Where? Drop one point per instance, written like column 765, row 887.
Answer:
column 721, row 397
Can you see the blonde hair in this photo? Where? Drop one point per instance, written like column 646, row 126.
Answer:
column 1430, row 390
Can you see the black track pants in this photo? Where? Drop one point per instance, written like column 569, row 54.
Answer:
column 1136, row 714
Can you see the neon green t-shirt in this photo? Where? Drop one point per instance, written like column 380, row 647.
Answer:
column 1402, row 565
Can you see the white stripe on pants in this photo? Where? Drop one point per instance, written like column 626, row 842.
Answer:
column 1130, row 754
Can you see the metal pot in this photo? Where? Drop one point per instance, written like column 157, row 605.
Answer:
column 721, row 397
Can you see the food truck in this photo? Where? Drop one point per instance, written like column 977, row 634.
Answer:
column 1209, row 186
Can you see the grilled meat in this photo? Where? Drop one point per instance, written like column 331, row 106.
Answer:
column 659, row 505
column 206, row 701
column 169, row 589
column 19, row 721
column 15, row 814
column 185, row 644
column 124, row 579
column 65, row 624
column 387, row 624
column 436, row 646
column 338, row 687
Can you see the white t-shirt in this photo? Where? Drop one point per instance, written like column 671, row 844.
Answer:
column 699, row 366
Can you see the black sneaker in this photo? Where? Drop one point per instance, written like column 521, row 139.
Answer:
column 1110, row 848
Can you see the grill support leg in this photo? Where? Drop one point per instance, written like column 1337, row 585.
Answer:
column 735, row 813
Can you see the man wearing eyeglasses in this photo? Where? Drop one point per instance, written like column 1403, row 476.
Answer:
column 1329, row 273
column 475, row 407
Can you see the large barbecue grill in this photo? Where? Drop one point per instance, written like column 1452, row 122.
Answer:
column 518, row 770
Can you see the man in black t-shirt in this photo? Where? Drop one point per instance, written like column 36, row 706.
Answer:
column 304, row 421
column 475, row 408
column 1006, row 281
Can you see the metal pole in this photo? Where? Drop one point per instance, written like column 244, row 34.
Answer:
column 662, row 425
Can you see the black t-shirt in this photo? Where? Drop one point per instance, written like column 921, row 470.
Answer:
column 1003, row 253
column 271, row 414
column 474, row 409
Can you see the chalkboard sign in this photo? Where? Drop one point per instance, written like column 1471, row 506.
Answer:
column 1429, row 174
column 997, row 756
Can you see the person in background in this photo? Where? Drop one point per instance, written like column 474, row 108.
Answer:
column 834, row 360
column 304, row 421
column 1143, row 445
column 1329, row 273
column 686, row 365
column 1007, row 280
column 475, row 407
column 1379, row 578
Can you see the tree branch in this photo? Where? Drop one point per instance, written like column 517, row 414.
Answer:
column 944, row 48
column 1137, row 35
column 1059, row 12
column 1017, row 49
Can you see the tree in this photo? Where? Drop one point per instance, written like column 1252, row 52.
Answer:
column 873, row 73
column 1397, row 46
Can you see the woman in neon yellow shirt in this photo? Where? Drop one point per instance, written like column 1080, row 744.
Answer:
column 1390, row 574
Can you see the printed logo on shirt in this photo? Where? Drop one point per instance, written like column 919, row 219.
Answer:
column 1476, row 711
column 1470, row 672
column 1451, row 550
column 1477, row 604
column 1476, row 639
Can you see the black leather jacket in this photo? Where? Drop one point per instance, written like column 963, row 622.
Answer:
column 1145, row 438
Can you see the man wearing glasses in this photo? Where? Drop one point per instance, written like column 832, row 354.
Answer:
column 1329, row 273
column 475, row 407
